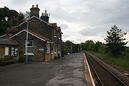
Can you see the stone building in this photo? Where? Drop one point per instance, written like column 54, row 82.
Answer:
column 8, row 50
column 36, row 37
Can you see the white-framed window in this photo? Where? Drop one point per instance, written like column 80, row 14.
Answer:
column 6, row 51
column 12, row 51
column 29, row 47
column 30, row 43
column 16, row 51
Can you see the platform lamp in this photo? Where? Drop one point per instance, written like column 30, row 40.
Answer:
column 26, row 43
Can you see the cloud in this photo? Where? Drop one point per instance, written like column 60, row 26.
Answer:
column 19, row 2
column 64, row 26
column 81, row 19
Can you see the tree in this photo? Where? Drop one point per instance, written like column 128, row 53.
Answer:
column 68, row 47
column 115, row 41
column 89, row 45
column 98, row 46
column 9, row 18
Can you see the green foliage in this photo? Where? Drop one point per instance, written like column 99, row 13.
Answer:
column 67, row 47
column 98, row 46
column 121, row 62
column 75, row 48
column 9, row 18
column 115, row 41
column 70, row 47
column 125, row 54
column 89, row 45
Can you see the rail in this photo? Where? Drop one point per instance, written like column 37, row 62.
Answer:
column 102, row 75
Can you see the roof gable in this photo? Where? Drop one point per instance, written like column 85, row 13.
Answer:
column 31, row 18
column 38, row 19
column 33, row 34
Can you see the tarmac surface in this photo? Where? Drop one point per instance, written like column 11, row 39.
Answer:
column 67, row 71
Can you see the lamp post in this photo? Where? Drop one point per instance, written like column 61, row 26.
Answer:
column 26, row 43
column 26, row 47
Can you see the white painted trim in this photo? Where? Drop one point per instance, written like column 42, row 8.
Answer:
column 17, row 33
column 50, row 42
column 6, row 51
column 39, row 19
column 86, row 65
column 28, row 32
column 36, row 36
column 20, row 24
column 31, row 54
column 36, row 18
column 3, row 35
column 24, row 22
column 30, row 19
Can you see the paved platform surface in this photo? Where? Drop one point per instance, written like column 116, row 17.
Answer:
column 67, row 71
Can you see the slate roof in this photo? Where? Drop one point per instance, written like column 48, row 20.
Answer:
column 7, row 42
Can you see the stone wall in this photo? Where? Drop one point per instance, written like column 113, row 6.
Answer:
column 37, row 45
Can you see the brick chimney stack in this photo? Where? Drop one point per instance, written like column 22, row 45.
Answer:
column 45, row 16
column 34, row 11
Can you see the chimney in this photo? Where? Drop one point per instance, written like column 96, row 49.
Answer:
column 34, row 11
column 36, row 5
column 45, row 16
column 32, row 6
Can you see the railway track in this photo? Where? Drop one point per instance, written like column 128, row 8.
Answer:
column 103, row 76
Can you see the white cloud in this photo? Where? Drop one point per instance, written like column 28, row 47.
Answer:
column 80, row 19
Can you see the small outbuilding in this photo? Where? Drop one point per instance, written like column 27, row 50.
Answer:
column 8, row 51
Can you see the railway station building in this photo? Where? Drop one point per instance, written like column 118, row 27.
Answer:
column 36, row 37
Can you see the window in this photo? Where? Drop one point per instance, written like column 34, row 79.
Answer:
column 29, row 47
column 29, row 43
column 16, row 51
column 6, row 51
column 12, row 51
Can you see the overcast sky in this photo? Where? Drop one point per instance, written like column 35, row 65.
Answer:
column 80, row 20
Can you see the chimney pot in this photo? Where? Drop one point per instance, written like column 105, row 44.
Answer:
column 37, row 5
column 45, row 11
column 34, row 11
column 32, row 6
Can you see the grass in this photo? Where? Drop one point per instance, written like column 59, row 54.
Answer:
column 122, row 62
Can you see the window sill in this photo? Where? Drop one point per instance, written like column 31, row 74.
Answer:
column 30, row 54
